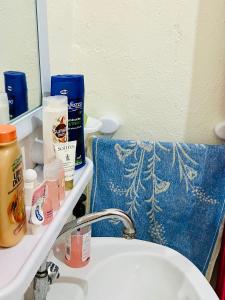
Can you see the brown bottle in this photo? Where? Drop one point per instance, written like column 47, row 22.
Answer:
column 12, row 209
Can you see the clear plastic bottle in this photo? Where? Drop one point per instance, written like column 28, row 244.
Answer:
column 51, row 178
column 54, row 176
column 61, row 181
column 78, row 244
column 78, row 248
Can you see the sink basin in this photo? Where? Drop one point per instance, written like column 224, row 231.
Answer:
column 131, row 269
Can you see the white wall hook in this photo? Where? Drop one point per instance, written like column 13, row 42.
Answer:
column 220, row 130
column 93, row 125
column 109, row 125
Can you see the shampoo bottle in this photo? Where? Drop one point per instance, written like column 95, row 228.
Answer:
column 73, row 87
column 55, row 124
column 12, row 208
column 16, row 89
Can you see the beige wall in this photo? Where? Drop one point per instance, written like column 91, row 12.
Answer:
column 158, row 65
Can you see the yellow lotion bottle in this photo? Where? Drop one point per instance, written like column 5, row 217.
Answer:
column 12, row 208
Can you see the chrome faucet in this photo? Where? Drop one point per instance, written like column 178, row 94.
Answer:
column 113, row 214
column 49, row 272
column 46, row 275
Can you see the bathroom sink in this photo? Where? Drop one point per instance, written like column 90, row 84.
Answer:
column 131, row 269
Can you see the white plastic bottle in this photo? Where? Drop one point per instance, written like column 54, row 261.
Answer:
column 4, row 108
column 55, row 124
column 30, row 183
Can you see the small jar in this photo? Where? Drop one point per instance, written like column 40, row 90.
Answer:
column 78, row 246
column 78, row 243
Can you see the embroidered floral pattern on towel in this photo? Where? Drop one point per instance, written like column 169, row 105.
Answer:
column 174, row 192
column 139, row 175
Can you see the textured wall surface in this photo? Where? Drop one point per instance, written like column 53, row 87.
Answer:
column 19, row 45
column 158, row 65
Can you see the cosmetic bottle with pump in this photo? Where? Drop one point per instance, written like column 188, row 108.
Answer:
column 78, row 244
column 47, row 207
column 4, row 108
column 12, row 208
column 51, row 176
column 61, row 180
column 55, row 124
column 73, row 87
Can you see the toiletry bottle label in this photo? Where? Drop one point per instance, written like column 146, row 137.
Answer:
column 76, row 129
column 76, row 115
column 86, row 246
column 38, row 200
column 66, row 153
column 68, row 247
column 59, row 130
column 16, row 207
column 11, row 100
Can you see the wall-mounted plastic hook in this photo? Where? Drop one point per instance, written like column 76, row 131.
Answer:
column 93, row 125
column 220, row 130
column 109, row 125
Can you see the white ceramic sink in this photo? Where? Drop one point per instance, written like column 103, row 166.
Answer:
column 131, row 269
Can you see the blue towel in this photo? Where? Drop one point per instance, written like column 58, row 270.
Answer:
column 173, row 191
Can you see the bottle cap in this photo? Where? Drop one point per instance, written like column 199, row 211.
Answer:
column 14, row 74
column 7, row 133
column 55, row 101
column 30, row 175
column 15, row 80
column 71, row 85
column 4, row 98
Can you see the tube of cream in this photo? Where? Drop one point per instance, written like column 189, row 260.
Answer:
column 67, row 153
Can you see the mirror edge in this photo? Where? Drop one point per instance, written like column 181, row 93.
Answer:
column 27, row 123
column 42, row 23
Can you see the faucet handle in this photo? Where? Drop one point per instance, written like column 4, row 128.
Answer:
column 53, row 272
